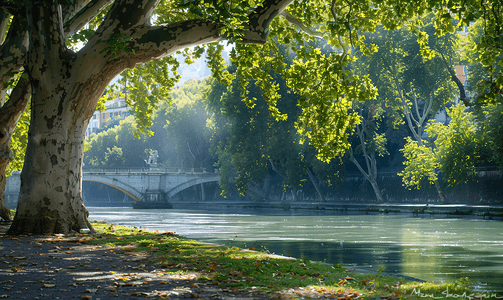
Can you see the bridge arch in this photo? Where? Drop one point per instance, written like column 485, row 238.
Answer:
column 192, row 182
column 112, row 182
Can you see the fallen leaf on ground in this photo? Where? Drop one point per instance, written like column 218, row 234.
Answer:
column 46, row 285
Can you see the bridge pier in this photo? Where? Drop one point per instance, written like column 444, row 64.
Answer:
column 203, row 198
column 153, row 199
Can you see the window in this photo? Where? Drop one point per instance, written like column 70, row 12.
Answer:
column 111, row 115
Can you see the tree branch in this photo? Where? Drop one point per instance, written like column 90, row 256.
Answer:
column 159, row 41
column 405, row 107
column 13, row 50
column 258, row 24
column 299, row 24
column 124, row 16
column 14, row 8
column 461, row 87
column 353, row 159
column 84, row 15
column 4, row 21
column 12, row 110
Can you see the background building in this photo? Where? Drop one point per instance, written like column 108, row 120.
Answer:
column 115, row 109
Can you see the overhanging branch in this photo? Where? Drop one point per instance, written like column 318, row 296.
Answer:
column 13, row 50
column 84, row 15
column 259, row 21
column 299, row 24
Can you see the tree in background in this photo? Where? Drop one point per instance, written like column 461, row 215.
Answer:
column 490, row 118
column 253, row 145
column 117, row 146
column 180, row 132
column 484, row 89
column 454, row 149
column 369, row 142
column 416, row 80
column 484, row 68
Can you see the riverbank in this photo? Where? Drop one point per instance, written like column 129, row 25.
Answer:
column 489, row 212
column 132, row 263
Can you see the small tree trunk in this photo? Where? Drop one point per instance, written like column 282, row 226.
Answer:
column 316, row 186
column 4, row 211
column 377, row 191
column 439, row 191
column 9, row 115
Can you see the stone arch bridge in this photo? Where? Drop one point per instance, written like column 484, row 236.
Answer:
column 153, row 185
column 150, row 185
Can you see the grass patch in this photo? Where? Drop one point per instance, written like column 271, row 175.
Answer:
column 245, row 268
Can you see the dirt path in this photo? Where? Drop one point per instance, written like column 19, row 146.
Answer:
column 60, row 267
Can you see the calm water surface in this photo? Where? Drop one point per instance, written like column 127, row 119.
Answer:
column 440, row 250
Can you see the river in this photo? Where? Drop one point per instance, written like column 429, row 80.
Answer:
column 428, row 248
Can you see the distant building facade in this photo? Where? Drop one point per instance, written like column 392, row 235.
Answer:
column 442, row 116
column 115, row 109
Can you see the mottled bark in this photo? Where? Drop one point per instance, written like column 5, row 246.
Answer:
column 13, row 50
column 50, row 198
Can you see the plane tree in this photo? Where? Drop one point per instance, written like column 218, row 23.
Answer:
column 250, row 143
column 413, row 78
column 369, row 143
column 183, row 125
column 118, row 146
column 455, row 149
column 66, row 84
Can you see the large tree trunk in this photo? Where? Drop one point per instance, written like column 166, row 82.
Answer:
column 50, row 198
column 65, row 89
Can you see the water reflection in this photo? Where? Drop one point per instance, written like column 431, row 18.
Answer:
column 440, row 250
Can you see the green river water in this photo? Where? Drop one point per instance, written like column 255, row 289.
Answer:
column 432, row 249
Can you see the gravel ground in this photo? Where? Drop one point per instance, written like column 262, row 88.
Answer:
column 60, row 267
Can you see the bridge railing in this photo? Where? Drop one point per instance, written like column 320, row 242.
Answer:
column 93, row 170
